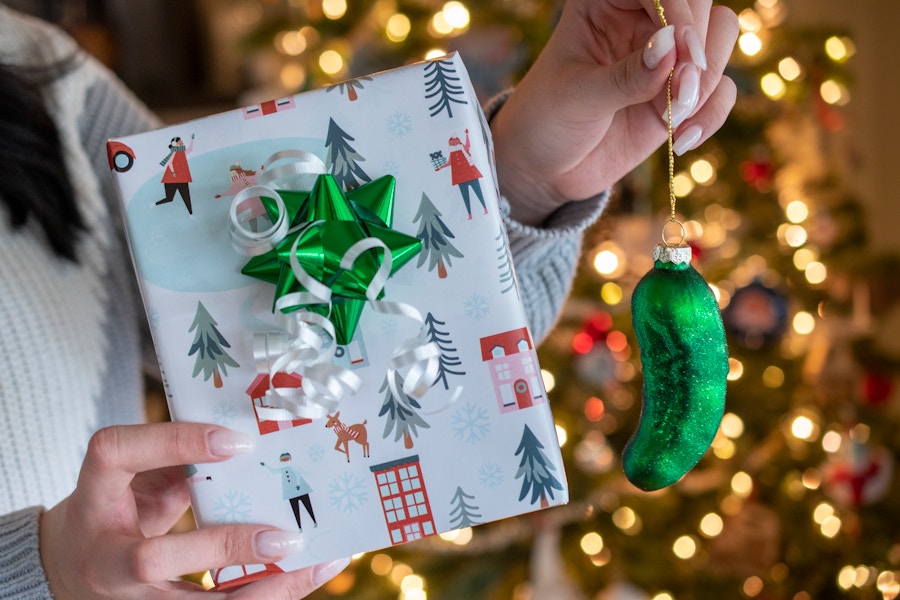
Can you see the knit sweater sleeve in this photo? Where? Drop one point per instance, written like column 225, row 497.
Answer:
column 546, row 257
column 21, row 573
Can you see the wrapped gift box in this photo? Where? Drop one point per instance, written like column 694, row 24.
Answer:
column 383, row 467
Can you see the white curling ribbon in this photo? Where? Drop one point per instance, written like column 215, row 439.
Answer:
column 299, row 169
column 246, row 241
column 421, row 358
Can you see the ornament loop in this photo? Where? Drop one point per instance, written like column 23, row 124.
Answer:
column 683, row 233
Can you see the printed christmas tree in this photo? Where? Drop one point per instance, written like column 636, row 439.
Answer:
column 448, row 358
column 442, row 83
column 343, row 160
column 463, row 514
column 504, row 263
column 535, row 470
column 437, row 248
column 401, row 413
column 208, row 345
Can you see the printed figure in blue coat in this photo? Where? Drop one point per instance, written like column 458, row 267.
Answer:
column 294, row 488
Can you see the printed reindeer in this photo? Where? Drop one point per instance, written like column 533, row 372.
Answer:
column 344, row 434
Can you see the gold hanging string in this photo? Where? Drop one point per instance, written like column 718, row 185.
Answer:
column 671, row 136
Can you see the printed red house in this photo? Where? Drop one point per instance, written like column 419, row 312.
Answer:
column 269, row 107
column 257, row 392
column 404, row 500
column 237, row 575
column 513, row 364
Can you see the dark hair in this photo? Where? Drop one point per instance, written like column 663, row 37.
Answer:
column 35, row 183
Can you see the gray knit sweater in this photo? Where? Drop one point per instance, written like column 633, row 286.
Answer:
column 72, row 338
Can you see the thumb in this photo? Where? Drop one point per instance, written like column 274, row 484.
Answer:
column 641, row 75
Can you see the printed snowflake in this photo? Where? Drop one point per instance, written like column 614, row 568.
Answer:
column 391, row 167
column 389, row 326
column 316, row 452
column 153, row 318
column 224, row 413
column 477, row 307
column 348, row 492
column 471, row 423
column 490, row 475
column 399, row 124
column 232, row 507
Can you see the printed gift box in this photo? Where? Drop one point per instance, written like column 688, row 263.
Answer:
column 395, row 395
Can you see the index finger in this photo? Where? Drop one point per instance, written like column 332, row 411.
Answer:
column 116, row 454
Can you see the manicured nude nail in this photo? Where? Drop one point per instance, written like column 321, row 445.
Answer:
column 327, row 571
column 687, row 140
column 225, row 442
column 660, row 44
column 695, row 47
column 276, row 544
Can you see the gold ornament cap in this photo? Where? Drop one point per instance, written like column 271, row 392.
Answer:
column 672, row 254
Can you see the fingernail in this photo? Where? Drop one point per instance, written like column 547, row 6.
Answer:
column 695, row 48
column 276, row 544
column 225, row 442
column 688, row 96
column 326, row 571
column 660, row 44
column 687, row 140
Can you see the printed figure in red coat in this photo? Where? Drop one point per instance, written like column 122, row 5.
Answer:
column 176, row 174
column 463, row 172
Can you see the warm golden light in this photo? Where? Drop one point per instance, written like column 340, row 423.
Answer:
column 711, row 525
column 331, row 62
column 752, row 586
column 831, row 527
column 381, row 564
column 435, row 53
column 456, row 14
column 682, row 184
column 773, row 86
column 822, row 512
column 773, row 377
column 803, row 428
column 703, row 172
column 796, row 211
column 562, row 435
column 591, row 543
column 548, row 379
column 732, row 425
column 789, row 69
column 684, row 547
column 398, row 27
column 804, row 323
column 750, row 43
column 611, row 293
column 793, row 235
column 749, row 20
column 834, row 92
column 291, row 43
column 804, row 256
column 292, row 76
column 839, row 49
column 741, row 484
column 846, row 577
column 816, row 272
column 606, row 262
column 735, row 369
column 460, row 537
column 334, row 9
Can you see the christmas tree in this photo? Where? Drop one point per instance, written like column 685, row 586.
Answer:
column 796, row 498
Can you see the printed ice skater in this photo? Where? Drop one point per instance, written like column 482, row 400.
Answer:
column 463, row 172
column 176, row 174
column 294, row 488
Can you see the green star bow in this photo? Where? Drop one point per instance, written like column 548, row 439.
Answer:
column 338, row 220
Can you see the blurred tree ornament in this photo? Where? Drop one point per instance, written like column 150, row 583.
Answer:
column 756, row 315
column 858, row 474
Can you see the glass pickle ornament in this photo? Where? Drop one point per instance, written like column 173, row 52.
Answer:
column 684, row 358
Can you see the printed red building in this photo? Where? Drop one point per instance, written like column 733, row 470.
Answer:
column 513, row 364
column 237, row 575
column 404, row 499
column 257, row 392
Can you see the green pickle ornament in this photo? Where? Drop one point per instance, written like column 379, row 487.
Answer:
column 684, row 358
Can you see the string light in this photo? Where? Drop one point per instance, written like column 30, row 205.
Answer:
column 732, row 425
column 834, row 92
column 773, row 377
column 796, row 211
column 703, row 172
column 816, row 272
column 711, row 525
column 331, row 62
column 735, row 369
column 839, row 49
column 750, row 43
column 773, row 86
column 803, row 323
column 549, row 380
column 398, row 27
column 591, row 543
column 684, row 547
column 789, row 68
column 611, row 293
column 753, row 585
column 334, row 9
